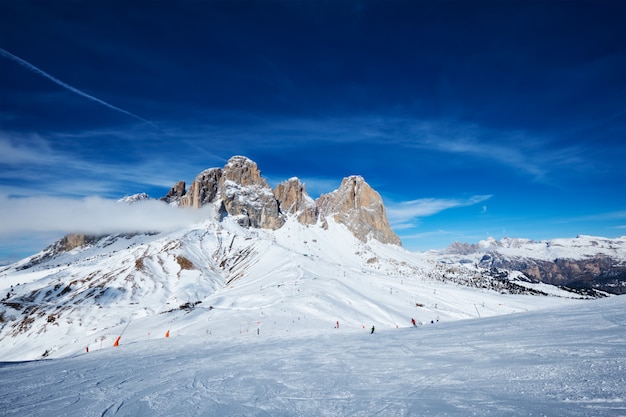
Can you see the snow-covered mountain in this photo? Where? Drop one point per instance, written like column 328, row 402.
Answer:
column 271, row 262
column 134, row 198
column 584, row 262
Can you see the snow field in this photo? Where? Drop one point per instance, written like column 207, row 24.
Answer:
column 565, row 361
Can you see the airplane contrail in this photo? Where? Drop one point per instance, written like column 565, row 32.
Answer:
column 68, row 87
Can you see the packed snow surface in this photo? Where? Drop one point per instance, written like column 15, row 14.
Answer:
column 562, row 361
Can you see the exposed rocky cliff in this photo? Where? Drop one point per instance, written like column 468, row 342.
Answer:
column 246, row 195
column 356, row 205
column 203, row 189
column 293, row 199
column 598, row 272
column 239, row 190
column 177, row 192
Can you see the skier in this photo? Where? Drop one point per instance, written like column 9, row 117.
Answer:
column 413, row 322
column 373, row 328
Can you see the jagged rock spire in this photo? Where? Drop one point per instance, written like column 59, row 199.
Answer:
column 356, row 205
column 293, row 199
column 240, row 191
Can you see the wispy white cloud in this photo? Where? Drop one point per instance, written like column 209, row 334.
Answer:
column 31, row 165
column 94, row 215
column 32, row 150
column 528, row 153
column 403, row 214
column 533, row 154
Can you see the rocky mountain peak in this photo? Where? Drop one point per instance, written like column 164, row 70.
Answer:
column 240, row 191
column 293, row 199
column 203, row 190
column 177, row 192
column 135, row 198
column 244, row 172
column 356, row 205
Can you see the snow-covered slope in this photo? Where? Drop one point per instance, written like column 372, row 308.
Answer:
column 588, row 263
column 223, row 279
column 567, row 361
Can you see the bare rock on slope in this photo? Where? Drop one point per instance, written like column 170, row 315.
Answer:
column 175, row 195
column 356, row 205
column 240, row 191
column 293, row 199
column 203, row 189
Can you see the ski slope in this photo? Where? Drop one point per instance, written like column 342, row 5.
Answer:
column 561, row 361
column 225, row 280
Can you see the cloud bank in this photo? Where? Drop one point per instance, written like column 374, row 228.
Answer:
column 92, row 215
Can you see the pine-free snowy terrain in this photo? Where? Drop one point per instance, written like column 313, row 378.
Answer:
column 222, row 279
column 565, row 361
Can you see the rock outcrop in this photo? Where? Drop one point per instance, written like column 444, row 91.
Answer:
column 177, row 192
column 246, row 195
column 203, row 189
column 293, row 199
column 599, row 272
column 239, row 190
column 581, row 263
column 356, row 205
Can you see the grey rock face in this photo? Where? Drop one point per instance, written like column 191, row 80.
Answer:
column 203, row 190
column 356, row 205
column 293, row 199
column 243, row 193
column 175, row 195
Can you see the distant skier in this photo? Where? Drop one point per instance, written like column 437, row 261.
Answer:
column 373, row 328
column 413, row 323
column 337, row 324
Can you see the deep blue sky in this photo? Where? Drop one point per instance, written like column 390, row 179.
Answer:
column 471, row 119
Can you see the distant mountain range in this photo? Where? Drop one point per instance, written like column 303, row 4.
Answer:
column 584, row 262
column 279, row 262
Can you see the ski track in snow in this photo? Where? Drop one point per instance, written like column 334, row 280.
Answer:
column 565, row 361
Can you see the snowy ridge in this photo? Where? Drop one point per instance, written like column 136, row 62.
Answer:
column 130, row 199
column 223, row 279
column 569, row 248
column 588, row 263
